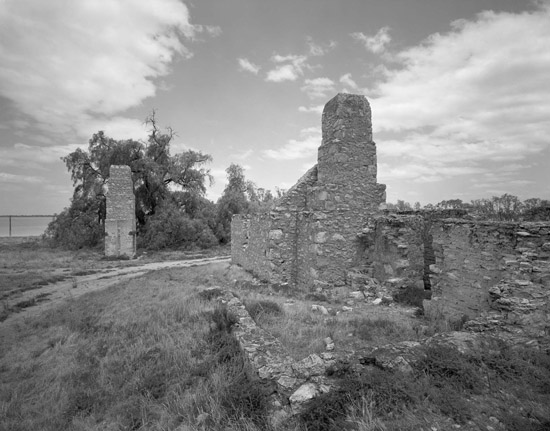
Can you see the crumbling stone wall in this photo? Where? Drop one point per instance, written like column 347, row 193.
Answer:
column 250, row 243
column 474, row 258
column 312, row 231
column 120, row 223
column 398, row 254
column 494, row 270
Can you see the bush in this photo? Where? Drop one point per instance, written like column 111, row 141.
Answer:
column 170, row 227
column 367, row 329
column 412, row 296
column 76, row 227
column 259, row 308
column 389, row 392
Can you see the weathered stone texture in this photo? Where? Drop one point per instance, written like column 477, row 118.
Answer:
column 398, row 254
column 495, row 272
column 251, row 237
column 120, row 223
column 480, row 263
column 311, row 237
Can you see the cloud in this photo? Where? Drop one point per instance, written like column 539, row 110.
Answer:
column 33, row 157
column 210, row 30
column 318, row 87
column 318, row 109
column 375, row 44
column 289, row 68
column 18, row 179
column 243, row 155
column 248, row 66
column 66, row 64
column 318, row 50
column 469, row 100
column 348, row 82
column 305, row 147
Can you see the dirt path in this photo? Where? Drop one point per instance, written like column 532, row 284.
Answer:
column 53, row 294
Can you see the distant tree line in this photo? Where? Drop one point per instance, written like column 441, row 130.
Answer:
column 171, row 208
column 504, row 208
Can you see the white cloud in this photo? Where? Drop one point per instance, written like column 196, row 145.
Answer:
column 318, row 50
column 467, row 101
column 289, row 68
column 318, row 109
column 375, row 44
column 210, row 30
column 305, row 147
column 244, row 155
column 318, row 87
column 248, row 66
column 286, row 72
column 66, row 64
column 348, row 82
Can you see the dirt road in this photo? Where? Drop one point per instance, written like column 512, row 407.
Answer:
column 53, row 294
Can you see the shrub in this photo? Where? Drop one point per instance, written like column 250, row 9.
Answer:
column 259, row 308
column 389, row 392
column 170, row 227
column 412, row 295
column 368, row 329
column 76, row 227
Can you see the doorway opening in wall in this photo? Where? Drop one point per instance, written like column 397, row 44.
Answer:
column 429, row 259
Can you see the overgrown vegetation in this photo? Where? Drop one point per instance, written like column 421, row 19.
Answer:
column 445, row 389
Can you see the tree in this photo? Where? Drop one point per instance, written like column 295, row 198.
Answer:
column 155, row 173
column 450, row 204
column 240, row 196
column 401, row 205
column 234, row 200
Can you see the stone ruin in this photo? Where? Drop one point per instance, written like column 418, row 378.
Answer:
column 331, row 231
column 310, row 237
column 120, row 223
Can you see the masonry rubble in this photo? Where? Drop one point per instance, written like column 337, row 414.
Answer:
column 120, row 223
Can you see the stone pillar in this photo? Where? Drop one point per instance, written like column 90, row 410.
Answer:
column 120, row 223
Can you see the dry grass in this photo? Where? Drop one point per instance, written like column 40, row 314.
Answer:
column 140, row 355
column 303, row 330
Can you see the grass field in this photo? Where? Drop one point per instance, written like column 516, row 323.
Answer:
column 151, row 354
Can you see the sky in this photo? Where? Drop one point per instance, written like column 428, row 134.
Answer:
column 459, row 90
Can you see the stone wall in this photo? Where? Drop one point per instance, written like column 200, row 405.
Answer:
column 493, row 270
column 251, row 242
column 473, row 258
column 120, row 223
column 398, row 254
column 311, row 233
